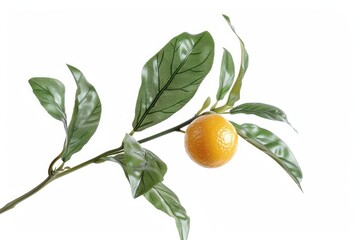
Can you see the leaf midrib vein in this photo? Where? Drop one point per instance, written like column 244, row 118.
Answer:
column 49, row 92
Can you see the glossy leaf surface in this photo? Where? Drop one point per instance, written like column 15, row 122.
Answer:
column 171, row 78
column 262, row 110
column 86, row 115
column 142, row 167
column 166, row 200
column 234, row 95
column 273, row 146
column 227, row 74
column 51, row 94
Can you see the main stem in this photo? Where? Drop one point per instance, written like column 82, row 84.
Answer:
column 98, row 159
column 13, row 203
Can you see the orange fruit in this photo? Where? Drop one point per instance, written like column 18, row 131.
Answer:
column 211, row 140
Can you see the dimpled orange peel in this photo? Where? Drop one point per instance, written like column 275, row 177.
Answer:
column 211, row 140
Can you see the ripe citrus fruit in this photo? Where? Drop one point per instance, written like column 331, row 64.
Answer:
column 211, row 140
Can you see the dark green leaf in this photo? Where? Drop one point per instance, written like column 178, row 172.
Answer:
column 50, row 92
column 273, row 146
column 162, row 198
column 166, row 200
column 171, row 78
column 227, row 74
column 142, row 167
column 262, row 110
column 234, row 95
column 86, row 115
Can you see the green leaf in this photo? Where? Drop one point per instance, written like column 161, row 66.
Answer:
column 142, row 167
column 234, row 95
column 227, row 74
column 262, row 110
column 273, row 146
column 171, row 78
column 86, row 115
column 204, row 106
column 166, row 200
column 51, row 94
column 160, row 197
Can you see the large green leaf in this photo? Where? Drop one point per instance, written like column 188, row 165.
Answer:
column 166, row 200
column 234, row 95
column 51, row 94
column 171, row 78
column 262, row 110
column 227, row 74
column 86, row 115
column 273, row 146
column 142, row 167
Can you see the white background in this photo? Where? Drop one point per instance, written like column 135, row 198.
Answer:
column 304, row 58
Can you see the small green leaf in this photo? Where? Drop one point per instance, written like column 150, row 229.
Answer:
column 204, row 106
column 273, row 146
column 166, row 200
column 171, row 78
column 86, row 115
column 262, row 110
column 227, row 74
column 142, row 167
column 234, row 95
column 51, row 94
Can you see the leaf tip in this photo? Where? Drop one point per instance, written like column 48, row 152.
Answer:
column 69, row 66
column 295, row 130
column 293, row 127
column 226, row 17
column 73, row 69
column 33, row 80
column 300, row 187
column 136, row 194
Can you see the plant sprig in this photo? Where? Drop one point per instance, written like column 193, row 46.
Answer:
column 169, row 80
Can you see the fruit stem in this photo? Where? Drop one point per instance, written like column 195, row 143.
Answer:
column 53, row 175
